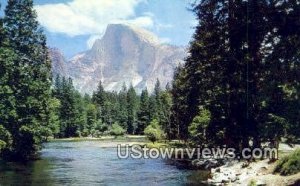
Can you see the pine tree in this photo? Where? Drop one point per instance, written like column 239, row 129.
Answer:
column 7, row 101
column 143, row 115
column 91, row 112
column 68, row 112
column 235, row 71
column 54, row 118
column 157, row 90
column 31, row 79
column 57, row 91
column 282, row 69
column 165, row 119
column 158, row 104
column 179, row 114
column 153, row 108
column 123, row 114
column 131, row 110
column 76, row 113
column 80, row 113
column 99, row 98
column 110, row 108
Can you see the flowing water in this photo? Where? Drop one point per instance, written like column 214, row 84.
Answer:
column 92, row 163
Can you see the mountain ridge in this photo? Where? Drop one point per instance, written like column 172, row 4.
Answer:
column 125, row 54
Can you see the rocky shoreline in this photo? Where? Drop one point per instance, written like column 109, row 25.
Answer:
column 235, row 172
column 258, row 173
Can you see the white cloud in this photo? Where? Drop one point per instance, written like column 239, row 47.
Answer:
column 80, row 17
column 144, row 21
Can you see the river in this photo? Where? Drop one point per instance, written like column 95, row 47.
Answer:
column 92, row 163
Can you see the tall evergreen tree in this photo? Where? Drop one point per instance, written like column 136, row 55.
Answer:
column 99, row 98
column 158, row 104
column 165, row 119
column 157, row 90
column 123, row 114
column 7, row 101
column 110, row 109
column 282, row 69
column 91, row 118
column 143, row 113
column 132, row 107
column 179, row 114
column 31, row 79
column 231, row 70
column 68, row 109
column 81, row 113
column 153, row 108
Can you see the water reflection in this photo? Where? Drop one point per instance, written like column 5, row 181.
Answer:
column 87, row 163
column 31, row 173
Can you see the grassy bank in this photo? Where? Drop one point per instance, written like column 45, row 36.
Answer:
column 128, row 138
column 289, row 165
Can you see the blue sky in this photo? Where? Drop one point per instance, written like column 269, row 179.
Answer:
column 73, row 25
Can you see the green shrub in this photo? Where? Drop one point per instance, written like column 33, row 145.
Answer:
column 117, row 130
column 289, row 165
column 252, row 183
column 102, row 127
column 198, row 126
column 197, row 129
column 85, row 132
column 5, row 138
column 153, row 131
column 97, row 134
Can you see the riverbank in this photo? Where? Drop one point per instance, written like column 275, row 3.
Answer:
column 254, row 173
column 103, row 138
column 107, row 141
column 232, row 173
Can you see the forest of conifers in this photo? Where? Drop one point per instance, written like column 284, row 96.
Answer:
column 240, row 82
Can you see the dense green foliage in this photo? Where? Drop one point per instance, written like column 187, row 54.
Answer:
column 25, row 82
column 198, row 127
column 105, row 113
column 117, row 130
column 243, row 67
column 143, row 115
column 154, row 131
column 289, row 164
column 70, row 111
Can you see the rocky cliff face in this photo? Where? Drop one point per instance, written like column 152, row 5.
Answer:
column 125, row 54
column 58, row 62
